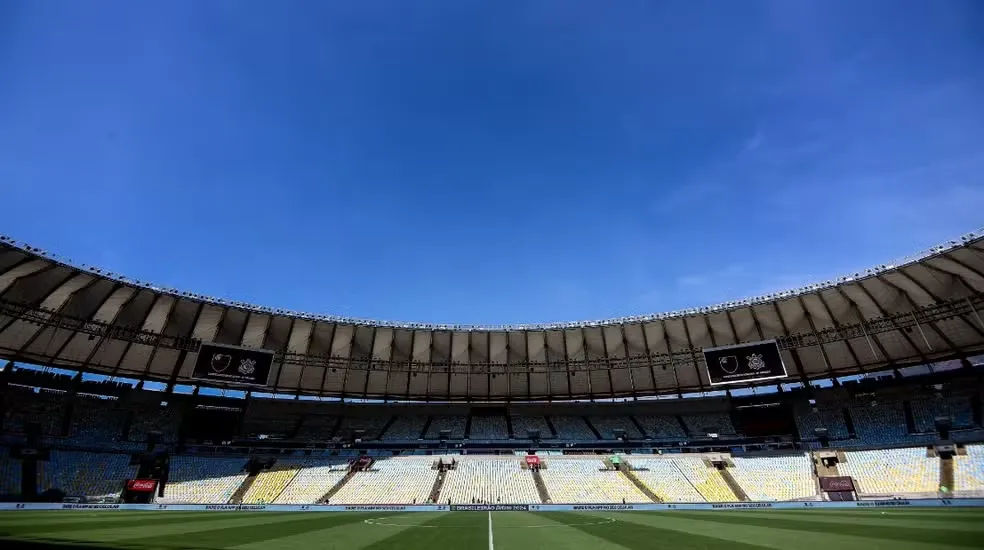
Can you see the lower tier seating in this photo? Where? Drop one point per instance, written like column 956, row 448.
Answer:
column 968, row 471
column 200, row 480
column 572, row 481
column 892, row 471
column 312, row 483
column 664, row 477
column 90, row 475
column 489, row 481
column 401, row 480
column 775, row 478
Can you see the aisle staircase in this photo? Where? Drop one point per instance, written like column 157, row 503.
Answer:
column 338, row 486
column 626, row 470
column 237, row 497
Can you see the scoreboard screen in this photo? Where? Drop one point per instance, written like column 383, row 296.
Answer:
column 233, row 364
column 744, row 363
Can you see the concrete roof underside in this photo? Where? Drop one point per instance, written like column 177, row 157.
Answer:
column 919, row 311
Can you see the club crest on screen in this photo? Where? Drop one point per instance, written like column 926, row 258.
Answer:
column 247, row 366
column 755, row 361
column 220, row 361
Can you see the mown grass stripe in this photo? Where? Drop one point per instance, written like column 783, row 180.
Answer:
column 460, row 530
column 223, row 537
column 164, row 518
column 887, row 520
column 907, row 534
column 641, row 536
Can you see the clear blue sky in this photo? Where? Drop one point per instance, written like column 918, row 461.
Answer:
column 490, row 162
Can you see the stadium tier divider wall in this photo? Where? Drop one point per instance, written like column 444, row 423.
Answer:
column 883, row 504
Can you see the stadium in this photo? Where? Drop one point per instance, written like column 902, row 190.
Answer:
column 178, row 420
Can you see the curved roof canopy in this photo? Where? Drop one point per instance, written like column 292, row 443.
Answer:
column 918, row 310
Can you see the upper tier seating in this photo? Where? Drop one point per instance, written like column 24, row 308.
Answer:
column 317, row 427
column 95, row 421
column 166, row 420
column 892, row 471
column 701, row 424
column 489, row 428
column 925, row 410
column 522, row 424
column 880, row 424
column 662, row 427
column 968, row 471
column 25, row 405
column 456, row 425
column 405, row 428
column 312, row 482
column 606, row 426
column 200, row 480
column 775, row 478
column 829, row 416
column 665, row 479
column 493, row 481
column 572, row 481
column 91, row 475
column 572, row 427
column 706, row 480
column 371, row 425
column 401, row 480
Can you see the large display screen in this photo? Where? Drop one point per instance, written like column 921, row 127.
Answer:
column 744, row 363
column 233, row 364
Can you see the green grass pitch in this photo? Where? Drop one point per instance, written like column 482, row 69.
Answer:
column 910, row 529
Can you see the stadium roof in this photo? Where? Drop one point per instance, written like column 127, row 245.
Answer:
column 920, row 309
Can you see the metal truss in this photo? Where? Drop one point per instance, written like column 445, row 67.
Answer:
column 963, row 307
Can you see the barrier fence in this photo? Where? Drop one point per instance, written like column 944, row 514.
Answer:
column 931, row 503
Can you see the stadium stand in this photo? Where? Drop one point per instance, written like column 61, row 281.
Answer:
column 10, row 473
column 606, row 426
column 664, row 477
column 489, row 481
column 371, row 425
column 705, row 479
column 89, row 475
column 489, row 428
column 312, row 482
column 454, row 424
column 317, row 427
column 968, row 472
column 702, row 424
column 405, row 428
column 269, row 484
column 925, row 410
column 571, row 481
column 522, row 424
column 572, row 428
column 400, row 480
column 201, row 480
column 163, row 419
column 893, row 472
column 662, row 427
column 775, row 478
column 95, row 421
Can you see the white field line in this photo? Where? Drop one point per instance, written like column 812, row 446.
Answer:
column 491, row 544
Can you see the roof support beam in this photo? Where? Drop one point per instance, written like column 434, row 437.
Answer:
column 837, row 325
column 628, row 361
column 183, row 354
column 901, row 331
column 797, row 360
column 693, row 355
column 813, row 329
column 862, row 322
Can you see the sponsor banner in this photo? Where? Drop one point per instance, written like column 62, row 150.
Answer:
column 889, row 503
column 141, row 485
column 744, row 363
column 233, row 364
column 603, row 507
column 90, row 506
column 834, row 484
column 954, row 502
column 490, row 507
column 742, row 505
column 532, row 460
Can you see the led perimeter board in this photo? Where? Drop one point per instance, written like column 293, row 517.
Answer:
column 744, row 363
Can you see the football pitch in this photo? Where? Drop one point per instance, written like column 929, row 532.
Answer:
column 895, row 529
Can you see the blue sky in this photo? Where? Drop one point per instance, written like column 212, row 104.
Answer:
column 481, row 162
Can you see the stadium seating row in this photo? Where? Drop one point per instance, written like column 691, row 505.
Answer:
column 567, row 479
